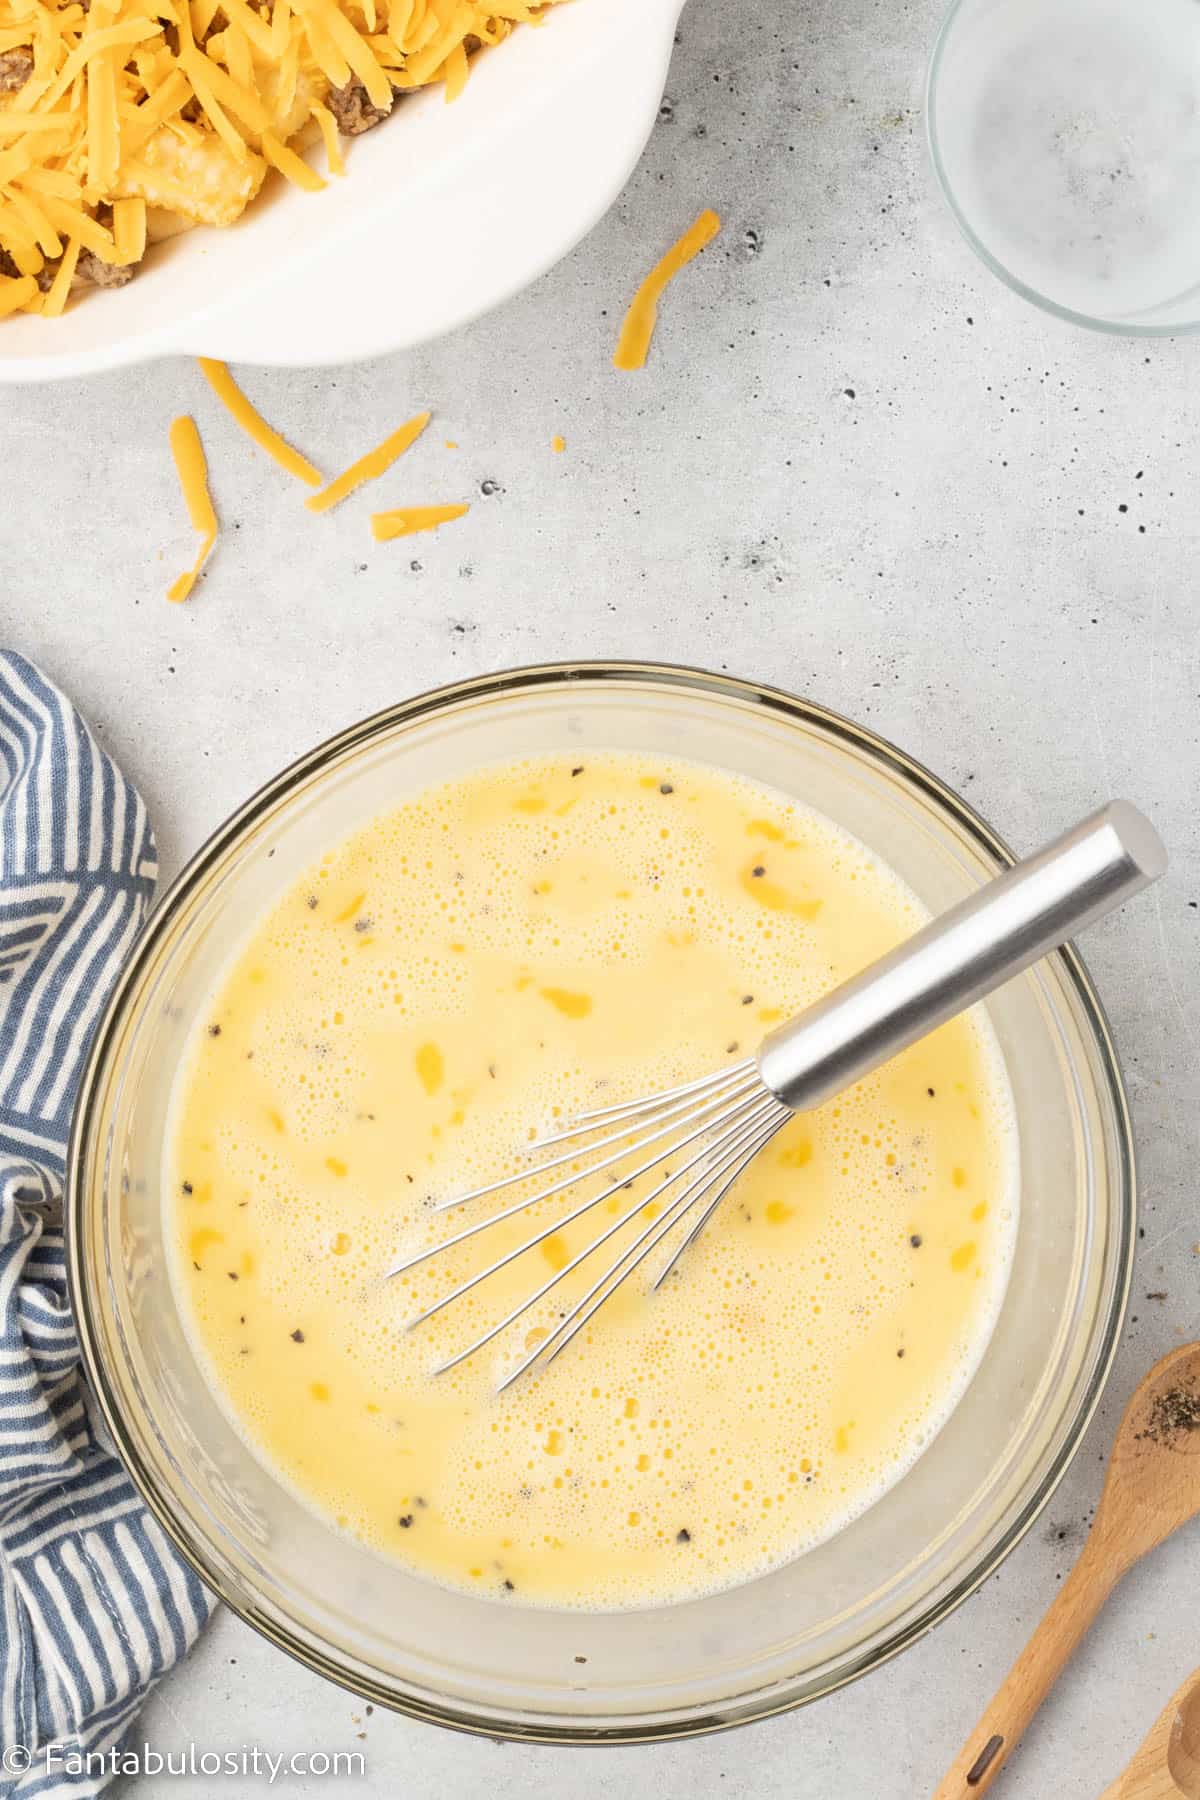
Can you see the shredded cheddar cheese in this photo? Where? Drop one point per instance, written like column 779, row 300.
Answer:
column 60, row 287
column 369, row 467
column 129, row 229
column 637, row 328
column 254, row 425
column 327, row 125
column 558, row 444
column 15, row 294
column 114, row 107
column 407, row 519
column 192, row 470
column 291, row 165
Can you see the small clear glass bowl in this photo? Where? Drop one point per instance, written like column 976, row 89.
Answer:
column 571, row 1677
column 1066, row 138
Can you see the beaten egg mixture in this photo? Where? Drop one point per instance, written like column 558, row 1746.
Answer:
column 465, row 974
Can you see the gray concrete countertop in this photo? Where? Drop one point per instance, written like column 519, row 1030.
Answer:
column 856, row 467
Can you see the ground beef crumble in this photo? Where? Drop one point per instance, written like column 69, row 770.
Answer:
column 16, row 66
column 44, row 277
column 89, row 267
column 354, row 109
column 101, row 274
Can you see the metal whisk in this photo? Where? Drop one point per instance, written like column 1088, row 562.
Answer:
column 698, row 1138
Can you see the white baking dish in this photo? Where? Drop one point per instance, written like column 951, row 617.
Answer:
column 444, row 211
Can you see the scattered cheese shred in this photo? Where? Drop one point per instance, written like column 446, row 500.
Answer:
column 407, row 519
column 192, row 470
column 558, row 444
column 375, row 463
column 637, row 328
column 254, row 425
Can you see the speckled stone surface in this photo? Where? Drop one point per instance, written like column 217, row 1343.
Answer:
column 856, row 467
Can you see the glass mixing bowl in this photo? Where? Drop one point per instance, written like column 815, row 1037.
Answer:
column 773, row 1642
column 1066, row 137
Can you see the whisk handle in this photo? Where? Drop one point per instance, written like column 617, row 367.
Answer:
column 963, row 955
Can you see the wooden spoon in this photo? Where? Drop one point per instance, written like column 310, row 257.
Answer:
column 1167, row 1767
column 1152, row 1486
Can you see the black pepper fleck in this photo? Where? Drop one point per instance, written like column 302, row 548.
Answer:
column 683, row 1535
column 915, row 1240
column 297, row 1336
column 406, row 1520
column 1173, row 1413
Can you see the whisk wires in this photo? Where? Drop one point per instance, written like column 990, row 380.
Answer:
column 700, row 1134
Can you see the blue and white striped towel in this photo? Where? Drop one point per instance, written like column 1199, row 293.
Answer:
column 94, row 1602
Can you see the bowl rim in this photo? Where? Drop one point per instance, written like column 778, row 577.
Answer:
column 531, row 678
column 1069, row 316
